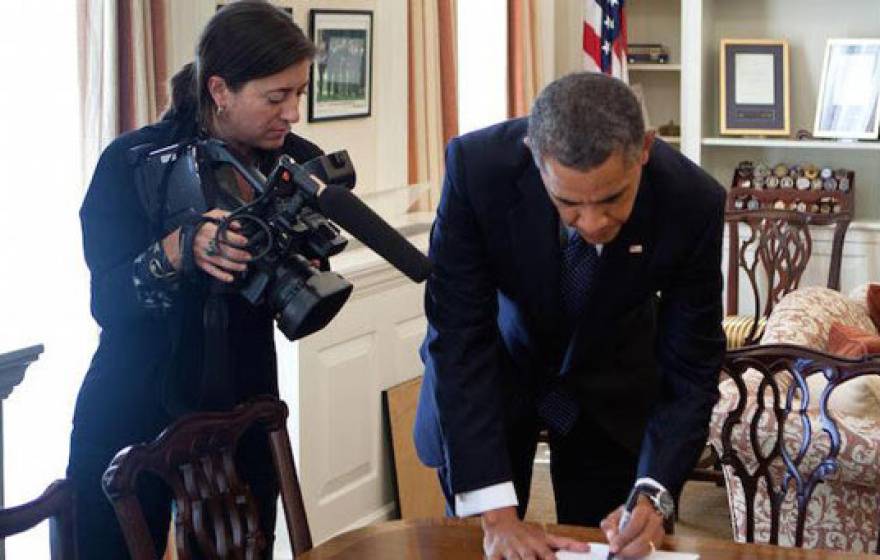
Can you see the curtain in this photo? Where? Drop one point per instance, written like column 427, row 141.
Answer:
column 123, row 69
column 433, row 100
column 143, row 62
column 525, row 72
column 97, row 45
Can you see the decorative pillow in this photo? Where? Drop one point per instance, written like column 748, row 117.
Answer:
column 852, row 342
column 858, row 397
column 868, row 296
column 804, row 317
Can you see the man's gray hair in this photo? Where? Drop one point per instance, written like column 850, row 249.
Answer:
column 581, row 119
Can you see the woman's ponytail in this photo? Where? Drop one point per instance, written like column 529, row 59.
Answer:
column 184, row 106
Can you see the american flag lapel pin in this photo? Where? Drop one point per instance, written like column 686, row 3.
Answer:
column 636, row 249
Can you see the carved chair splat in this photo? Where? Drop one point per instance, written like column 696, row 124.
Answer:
column 797, row 459
column 215, row 511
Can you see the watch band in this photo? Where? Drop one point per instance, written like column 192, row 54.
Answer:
column 660, row 499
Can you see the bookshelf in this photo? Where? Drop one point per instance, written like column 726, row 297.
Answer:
column 806, row 24
column 686, row 90
column 658, row 21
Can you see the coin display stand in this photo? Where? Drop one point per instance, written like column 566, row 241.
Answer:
column 805, row 188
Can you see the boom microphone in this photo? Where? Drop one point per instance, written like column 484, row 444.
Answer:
column 347, row 210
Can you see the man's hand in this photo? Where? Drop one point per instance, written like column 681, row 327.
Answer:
column 505, row 537
column 641, row 534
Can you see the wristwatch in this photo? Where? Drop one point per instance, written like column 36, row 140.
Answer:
column 661, row 499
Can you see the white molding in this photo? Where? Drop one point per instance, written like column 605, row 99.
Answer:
column 646, row 67
column 13, row 365
column 865, row 225
column 858, row 231
column 793, row 144
column 691, row 84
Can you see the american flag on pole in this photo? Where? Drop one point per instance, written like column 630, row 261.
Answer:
column 605, row 38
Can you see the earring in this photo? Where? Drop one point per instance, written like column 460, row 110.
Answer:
column 220, row 110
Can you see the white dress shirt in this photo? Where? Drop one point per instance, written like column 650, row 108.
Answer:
column 503, row 495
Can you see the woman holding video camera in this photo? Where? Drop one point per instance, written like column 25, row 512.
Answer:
column 149, row 292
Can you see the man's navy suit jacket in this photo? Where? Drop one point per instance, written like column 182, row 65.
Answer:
column 644, row 359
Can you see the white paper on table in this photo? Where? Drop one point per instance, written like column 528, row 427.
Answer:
column 599, row 551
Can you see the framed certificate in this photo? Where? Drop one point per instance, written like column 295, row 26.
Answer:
column 755, row 87
column 850, row 92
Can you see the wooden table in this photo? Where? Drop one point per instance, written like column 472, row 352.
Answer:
column 454, row 539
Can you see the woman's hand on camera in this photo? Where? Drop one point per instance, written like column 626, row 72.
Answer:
column 218, row 256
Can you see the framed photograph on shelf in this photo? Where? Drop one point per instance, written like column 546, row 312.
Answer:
column 341, row 78
column 755, row 87
column 850, row 90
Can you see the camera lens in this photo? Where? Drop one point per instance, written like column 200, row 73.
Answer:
column 306, row 300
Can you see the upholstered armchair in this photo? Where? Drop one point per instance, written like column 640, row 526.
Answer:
column 798, row 430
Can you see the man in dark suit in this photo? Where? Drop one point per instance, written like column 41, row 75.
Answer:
column 577, row 288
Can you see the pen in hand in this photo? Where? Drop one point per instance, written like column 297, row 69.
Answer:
column 628, row 508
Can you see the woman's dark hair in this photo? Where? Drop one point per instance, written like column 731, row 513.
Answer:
column 243, row 41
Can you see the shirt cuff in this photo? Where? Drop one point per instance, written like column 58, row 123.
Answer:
column 648, row 481
column 485, row 499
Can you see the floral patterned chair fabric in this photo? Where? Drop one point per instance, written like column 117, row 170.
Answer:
column 819, row 488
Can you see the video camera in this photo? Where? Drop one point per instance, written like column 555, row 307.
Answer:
column 286, row 224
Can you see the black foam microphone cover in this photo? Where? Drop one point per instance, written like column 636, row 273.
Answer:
column 343, row 207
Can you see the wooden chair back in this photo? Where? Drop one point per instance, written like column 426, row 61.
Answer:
column 803, row 451
column 776, row 209
column 773, row 254
column 215, row 512
column 57, row 504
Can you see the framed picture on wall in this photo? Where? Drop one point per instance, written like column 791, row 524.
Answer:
column 341, row 76
column 755, row 87
column 850, row 90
